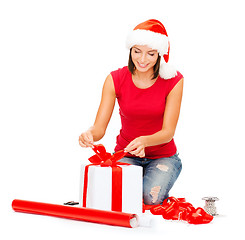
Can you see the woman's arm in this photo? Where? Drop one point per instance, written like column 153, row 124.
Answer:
column 107, row 103
column 171, row 116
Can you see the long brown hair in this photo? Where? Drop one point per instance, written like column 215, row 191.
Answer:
column 131, row 66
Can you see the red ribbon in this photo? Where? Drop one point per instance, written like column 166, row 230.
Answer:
column 105, row 159
column 178, row 209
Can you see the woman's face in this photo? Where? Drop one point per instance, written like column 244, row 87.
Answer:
column 143, row 57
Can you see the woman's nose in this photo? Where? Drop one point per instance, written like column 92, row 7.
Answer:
column 143, row 57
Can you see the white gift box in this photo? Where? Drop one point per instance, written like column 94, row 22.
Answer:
column 99, row 188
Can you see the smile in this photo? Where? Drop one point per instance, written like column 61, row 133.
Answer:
column 142, row 65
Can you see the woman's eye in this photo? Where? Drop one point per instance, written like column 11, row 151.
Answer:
column 136, row 51
column 151, row 54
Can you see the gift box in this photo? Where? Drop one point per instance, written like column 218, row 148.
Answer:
column 109, row 185
column 100, row 189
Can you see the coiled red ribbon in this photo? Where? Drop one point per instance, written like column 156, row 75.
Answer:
column 178, row 209
column 105, row 159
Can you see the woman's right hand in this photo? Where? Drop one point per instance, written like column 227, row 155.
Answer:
column 86, row 139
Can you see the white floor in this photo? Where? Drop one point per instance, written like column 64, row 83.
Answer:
column 228, row 223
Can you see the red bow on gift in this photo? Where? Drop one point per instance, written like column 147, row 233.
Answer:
column 105, row 159
column 178, row 209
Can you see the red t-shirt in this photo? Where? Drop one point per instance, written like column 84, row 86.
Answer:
column 142, row 110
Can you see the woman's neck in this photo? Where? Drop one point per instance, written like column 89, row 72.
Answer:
column 144, row 76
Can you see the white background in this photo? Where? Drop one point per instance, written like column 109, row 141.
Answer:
column 54, row 57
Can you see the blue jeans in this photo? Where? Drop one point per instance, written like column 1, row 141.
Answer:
column 159, row 176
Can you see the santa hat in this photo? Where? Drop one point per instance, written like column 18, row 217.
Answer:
column 153, row 34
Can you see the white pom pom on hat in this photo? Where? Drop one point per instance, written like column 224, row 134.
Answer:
column 153, row 34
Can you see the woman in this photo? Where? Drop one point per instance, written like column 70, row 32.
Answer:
column 149, row 95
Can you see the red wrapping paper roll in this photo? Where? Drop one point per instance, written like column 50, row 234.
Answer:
column 76, row 213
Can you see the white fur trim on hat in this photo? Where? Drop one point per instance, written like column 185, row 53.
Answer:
column 153, row 40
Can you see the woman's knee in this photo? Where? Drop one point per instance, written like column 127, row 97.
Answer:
column 158, row 182
column 155, row 195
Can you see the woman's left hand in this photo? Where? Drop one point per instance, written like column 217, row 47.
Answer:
column 137, row 147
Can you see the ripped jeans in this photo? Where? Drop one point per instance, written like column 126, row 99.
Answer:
column 159, row 176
